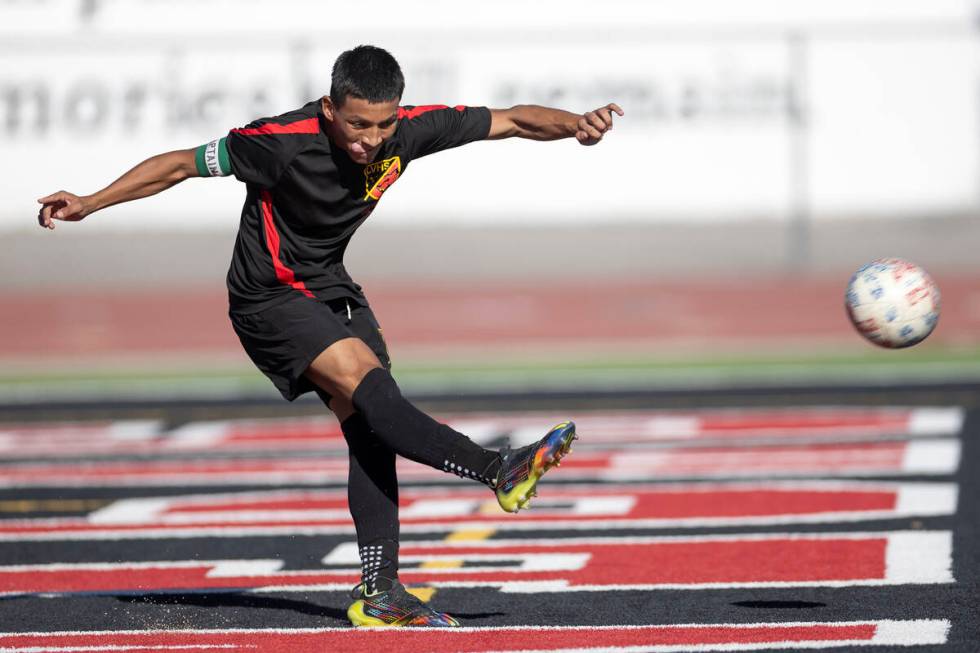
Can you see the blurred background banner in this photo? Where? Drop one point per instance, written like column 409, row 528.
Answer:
column 764, row 143
column 852, row 109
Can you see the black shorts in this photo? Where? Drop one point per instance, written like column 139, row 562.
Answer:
column 284, row 339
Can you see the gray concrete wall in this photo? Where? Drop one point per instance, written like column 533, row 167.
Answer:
column 72, row 256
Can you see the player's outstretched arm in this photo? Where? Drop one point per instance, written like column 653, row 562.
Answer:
column 147, row 178
column 546, row 124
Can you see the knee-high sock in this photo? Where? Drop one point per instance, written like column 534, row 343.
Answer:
column 415, row 435
column 372, row 494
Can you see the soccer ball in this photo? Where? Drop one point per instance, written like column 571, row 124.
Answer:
column 893, row 303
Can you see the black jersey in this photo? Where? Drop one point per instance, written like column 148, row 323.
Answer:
column 306, row 197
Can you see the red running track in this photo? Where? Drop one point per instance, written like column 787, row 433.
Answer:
column 767, row 312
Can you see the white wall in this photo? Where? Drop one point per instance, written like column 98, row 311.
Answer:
column 714, row 91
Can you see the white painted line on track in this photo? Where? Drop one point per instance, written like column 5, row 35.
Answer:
column 927, row 499
column 936, row 421
column 931, row 457
column 920, row 557
column 245, row 568
column 129, row 511
column 198, row 435
column 918, row 632
column 552, row 639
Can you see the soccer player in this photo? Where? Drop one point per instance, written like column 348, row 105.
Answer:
column 313, row 176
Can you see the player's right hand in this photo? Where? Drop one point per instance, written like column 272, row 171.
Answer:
column 594, row 124
column 61, row 206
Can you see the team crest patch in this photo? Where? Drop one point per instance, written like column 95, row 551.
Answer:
column 379, row 176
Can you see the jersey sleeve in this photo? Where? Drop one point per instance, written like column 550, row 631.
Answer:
column 260, row 152
column 430, row 129
column 256, row 158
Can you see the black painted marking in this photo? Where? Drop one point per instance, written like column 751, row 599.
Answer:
column 779, row 605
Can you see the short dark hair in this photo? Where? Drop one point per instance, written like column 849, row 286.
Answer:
column 368, row 73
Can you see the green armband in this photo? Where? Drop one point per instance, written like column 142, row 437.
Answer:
column 212, row 159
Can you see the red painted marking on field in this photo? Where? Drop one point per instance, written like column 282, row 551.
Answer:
column 638, row 505
column 54, row 440
column 644, row 504
column 321, row 433
column 594, row 507
column 313, row 469
column 640, row 425
column 73, row 438
column 643, row 425
column 573, row 563
column 732, row 637
column 315, row 430
column 743, row 426
column 931, row 456
column 694, row 563
column 739, row 462
column 879, row 458
column 57, row 431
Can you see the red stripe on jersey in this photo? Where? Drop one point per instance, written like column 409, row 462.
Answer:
column 284, row 274
column 415, row 112
column 308, row 126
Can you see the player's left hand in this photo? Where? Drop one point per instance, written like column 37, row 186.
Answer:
column 61, row 206
column 594, row 124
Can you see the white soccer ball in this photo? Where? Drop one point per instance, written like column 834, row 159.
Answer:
column 893, row 303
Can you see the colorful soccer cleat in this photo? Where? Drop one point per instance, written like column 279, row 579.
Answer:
column 394, row 607
column 521, row 469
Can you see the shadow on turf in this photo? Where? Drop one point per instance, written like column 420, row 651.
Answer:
column 237, row 600
column 234, row 600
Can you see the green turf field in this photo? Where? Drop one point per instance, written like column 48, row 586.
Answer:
column 611, row 370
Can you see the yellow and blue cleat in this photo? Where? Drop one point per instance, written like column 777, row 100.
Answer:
column 521, row 469
column 394, row 607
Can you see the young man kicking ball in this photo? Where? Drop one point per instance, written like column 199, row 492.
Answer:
column 313, row 176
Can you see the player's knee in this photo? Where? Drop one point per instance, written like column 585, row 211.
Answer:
column 342, row 408
column 350, row 374
column 340, row 369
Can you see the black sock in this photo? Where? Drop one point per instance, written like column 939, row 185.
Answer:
column 372, row 495
column 376, row 571
column 416, row 436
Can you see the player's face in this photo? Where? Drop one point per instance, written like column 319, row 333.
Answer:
column 360, row 127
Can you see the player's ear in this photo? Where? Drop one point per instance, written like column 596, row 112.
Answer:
column 326, row 105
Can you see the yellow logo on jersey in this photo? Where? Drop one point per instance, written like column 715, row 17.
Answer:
column 378, row 176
